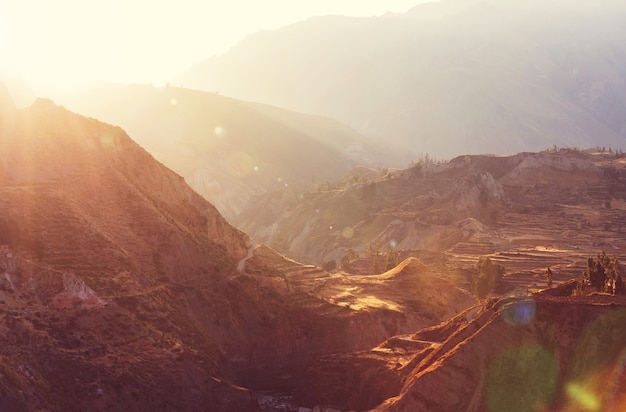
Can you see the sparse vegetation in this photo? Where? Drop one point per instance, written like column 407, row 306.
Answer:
column 329, row 265
column 392, row 258
column 348, row 257
column 602, row 274
column 549, row 277
column 487, row 277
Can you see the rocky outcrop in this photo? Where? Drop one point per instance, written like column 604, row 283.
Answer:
column 518, row 353
column 473, row 193
column 537, row 161
column 523, row 354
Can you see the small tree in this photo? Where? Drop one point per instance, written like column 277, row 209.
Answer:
column 620, row 289
column 594, row 275
column 603, row 274
column 329, row 265
column 549, row 277
column 392, row 259
column 348, row 257
column 480, row 286
column 487, row 277
column 377, row 264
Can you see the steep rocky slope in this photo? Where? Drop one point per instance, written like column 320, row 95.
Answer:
column 227, row 149
column 527, row 211
column 448, row 77
column 123, row 289
column 524, row 353
column 91, row 225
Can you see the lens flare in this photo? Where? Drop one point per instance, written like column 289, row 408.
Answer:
column 393, row 244
column 519, row 312
column 218, row 131
column 617, row 384
column 521, row 379
column 109, row 140
column 594, row 366
column 582, row 397
column 173, row 101
column 240, row 164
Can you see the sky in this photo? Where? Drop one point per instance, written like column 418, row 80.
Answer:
column 55, row 44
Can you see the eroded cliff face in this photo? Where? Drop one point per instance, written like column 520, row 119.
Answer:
column 555, row 354
column 523, row 353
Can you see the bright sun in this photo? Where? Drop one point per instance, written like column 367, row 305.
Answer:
column 69, row 43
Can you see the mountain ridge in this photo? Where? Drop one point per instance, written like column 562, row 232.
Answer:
column 122, row 288
column 228, row 149
column 504, row 79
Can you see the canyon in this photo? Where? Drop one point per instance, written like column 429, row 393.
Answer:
column 120, row 285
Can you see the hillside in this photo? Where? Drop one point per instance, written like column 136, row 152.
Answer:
column 523, row 353
column 527, row 211
column 226, row 149
column 447, row 78
column 121, row 288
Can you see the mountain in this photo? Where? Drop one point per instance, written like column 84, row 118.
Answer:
column 121, row 288
column 518, row 353
column 446, row 78
column 526, row 211
column 229, row 150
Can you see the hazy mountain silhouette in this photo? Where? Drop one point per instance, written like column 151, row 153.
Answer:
column 227, row 149
column 450, row 77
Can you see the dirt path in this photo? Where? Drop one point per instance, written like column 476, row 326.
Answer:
column 241, row 265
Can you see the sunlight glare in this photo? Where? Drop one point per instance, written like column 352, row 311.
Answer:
column 519, row 313
column 109, row 140
column 4, row 35
column 582, row 397
column 521, row 379
column 240, row 164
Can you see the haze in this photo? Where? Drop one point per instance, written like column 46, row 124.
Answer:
column 68, row 43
